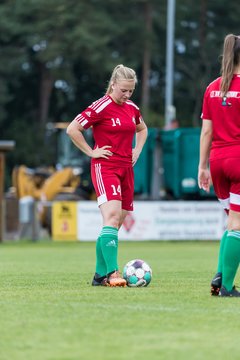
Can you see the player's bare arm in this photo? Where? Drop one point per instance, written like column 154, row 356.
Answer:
column 74, row 131
column 204, row 177
column 141, row 137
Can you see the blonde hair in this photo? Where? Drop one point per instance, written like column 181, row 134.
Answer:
column 230, row 59
column 121, row 72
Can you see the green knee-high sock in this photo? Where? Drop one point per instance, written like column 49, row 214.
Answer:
column 231, row 258
column 101, row 267
column 109, row 245
column 221, row 252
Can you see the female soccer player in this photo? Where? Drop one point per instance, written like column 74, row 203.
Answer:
column 114, row 120
column 220, row 146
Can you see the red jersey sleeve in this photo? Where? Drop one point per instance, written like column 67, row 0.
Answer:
column 87, row 117
column 139, row 118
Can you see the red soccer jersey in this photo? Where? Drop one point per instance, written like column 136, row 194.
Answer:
column 225, row 117
column 114, row 125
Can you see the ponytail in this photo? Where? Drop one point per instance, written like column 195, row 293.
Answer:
column 230, row 59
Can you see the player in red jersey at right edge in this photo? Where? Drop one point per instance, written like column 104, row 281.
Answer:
column 220, row 146
column 114, row 120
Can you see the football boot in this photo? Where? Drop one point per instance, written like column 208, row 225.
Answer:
column 225, row 293
column 216, row 284
column 115, row 279
column 100, row 280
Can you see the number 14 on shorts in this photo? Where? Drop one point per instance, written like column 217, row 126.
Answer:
column 116, row 190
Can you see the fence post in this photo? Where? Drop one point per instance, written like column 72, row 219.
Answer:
column 4, row 147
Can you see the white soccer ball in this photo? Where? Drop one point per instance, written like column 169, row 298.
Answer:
column 137, row 273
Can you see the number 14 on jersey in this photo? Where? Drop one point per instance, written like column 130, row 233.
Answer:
column 116, row 122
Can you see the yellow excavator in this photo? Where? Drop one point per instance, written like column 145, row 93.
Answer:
column 68, row 180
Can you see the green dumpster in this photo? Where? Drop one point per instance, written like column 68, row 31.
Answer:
column 180, row 148
column 143, row 170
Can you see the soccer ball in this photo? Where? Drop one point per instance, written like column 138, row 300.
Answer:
column 137, row 273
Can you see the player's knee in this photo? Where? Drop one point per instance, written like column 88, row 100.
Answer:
column 113, row 219
column 234, row 221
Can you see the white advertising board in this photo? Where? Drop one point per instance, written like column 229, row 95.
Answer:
column 158, row 220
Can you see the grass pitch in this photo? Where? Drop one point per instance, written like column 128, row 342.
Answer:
column 50, row 311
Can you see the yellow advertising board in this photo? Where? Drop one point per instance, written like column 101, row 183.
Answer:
column 64, row 220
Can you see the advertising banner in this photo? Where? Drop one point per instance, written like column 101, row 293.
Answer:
column 64, row 220
column 160, row 220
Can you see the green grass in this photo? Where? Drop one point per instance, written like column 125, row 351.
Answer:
column 50, row 311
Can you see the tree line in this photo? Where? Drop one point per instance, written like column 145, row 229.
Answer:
column 57, row 57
